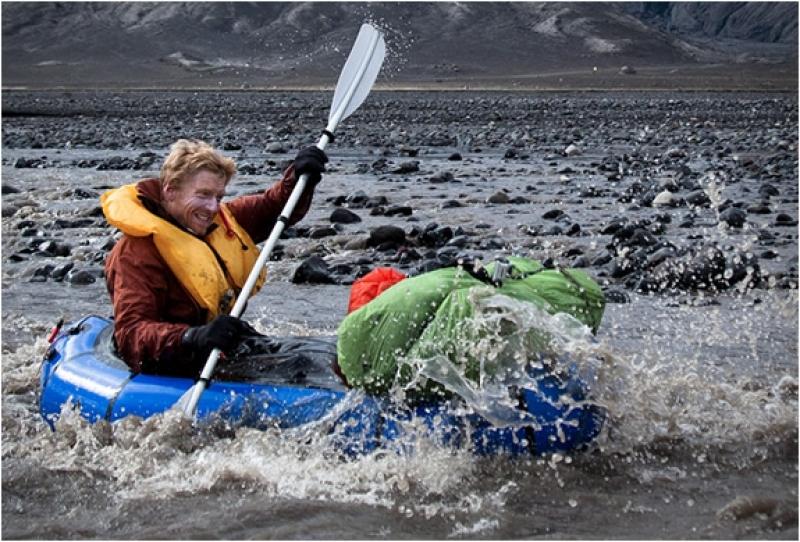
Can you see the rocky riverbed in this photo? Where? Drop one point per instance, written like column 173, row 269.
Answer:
column 665, row 194
column 683, row 206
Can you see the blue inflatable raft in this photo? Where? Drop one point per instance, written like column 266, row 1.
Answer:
column 80, row 367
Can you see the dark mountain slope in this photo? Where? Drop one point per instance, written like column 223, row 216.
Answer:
column 264, row 44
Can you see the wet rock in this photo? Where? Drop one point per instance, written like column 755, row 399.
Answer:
column 614, row 226
column 553, row 214
column 356, row 200
column 409, row 151
column 108, row 244
column 322, row 231
column 663, row 218
column 25, row 163
column 96, row 212
column 572, row 150
column 455, row 157
column 59, row 273
column 759, row 209
column 386, row 234
column 359, row 243
column 627, row 70
column 592, row 192
column 665, row 199
column 344, row 216
column 626, row 264
column 554, row 230
column 448, row 254
column 785, row 220
column 80, row 277
column 499, row 197
column 616, row 296
column 246, row 168
column 733, row 217
column 32, row 232
column 65, row 224
column 407, row 255
column 601, row 260
column 407, row 167
column 41, row 274
column 702, row 268
column 698, row 198
column 116, row 163
column 659, row 256
column 434, row 236
column 276, row 148
column 375, row 201
column 145, row 160
column 743, row 507
column 9, row 210
column 53, row 248
column 492, row 243
column 313, row 270
column 459, row 241
column 740, row 266
column 81, row 193
column 675, row 152
column 398, row 210
column 768, row 190
column 443, row 177
column 8, row 189
column 380, row 165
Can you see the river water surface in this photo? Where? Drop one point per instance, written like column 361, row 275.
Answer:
column 701, row 392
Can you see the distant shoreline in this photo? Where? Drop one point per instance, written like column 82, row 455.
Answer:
column 404, row 88
column 750, row 77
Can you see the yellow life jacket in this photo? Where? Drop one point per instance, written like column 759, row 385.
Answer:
column 191, row 259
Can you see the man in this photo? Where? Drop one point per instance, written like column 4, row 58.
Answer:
column 175, row 273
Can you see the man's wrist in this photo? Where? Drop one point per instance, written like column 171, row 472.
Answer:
column 187, row 339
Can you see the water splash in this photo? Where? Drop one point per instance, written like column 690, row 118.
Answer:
column 510, row 342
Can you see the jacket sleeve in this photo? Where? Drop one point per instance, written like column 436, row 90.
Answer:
column 257, row 213
column 137, row 281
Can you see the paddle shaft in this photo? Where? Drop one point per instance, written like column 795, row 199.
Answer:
column 244, row 295
column 238, row 308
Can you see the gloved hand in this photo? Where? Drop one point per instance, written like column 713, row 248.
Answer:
column 223, row 332
column 310, row 160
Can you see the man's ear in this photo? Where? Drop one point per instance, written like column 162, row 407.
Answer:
column 168, row 191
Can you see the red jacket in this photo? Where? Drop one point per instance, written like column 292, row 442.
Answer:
column 152, row 309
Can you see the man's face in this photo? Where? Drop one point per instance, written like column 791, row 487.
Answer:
column 195, row 202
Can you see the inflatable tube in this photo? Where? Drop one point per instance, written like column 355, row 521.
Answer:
column 80, row 368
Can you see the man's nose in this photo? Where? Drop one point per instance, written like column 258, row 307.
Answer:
column 212, row 205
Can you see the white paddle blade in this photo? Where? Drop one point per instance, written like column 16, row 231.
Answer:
column 358, row 73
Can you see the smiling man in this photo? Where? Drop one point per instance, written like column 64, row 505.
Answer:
column 184, row 255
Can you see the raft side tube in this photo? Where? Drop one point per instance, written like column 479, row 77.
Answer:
column 81, row 366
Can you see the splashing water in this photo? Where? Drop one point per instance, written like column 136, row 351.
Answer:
column 509, row 340
column 662, row 400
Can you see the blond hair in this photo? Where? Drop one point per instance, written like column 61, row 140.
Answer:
column 189, row 156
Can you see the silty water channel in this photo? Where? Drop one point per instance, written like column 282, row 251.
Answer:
column 700, row 386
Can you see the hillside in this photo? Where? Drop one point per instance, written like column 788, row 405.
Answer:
column 436, row 44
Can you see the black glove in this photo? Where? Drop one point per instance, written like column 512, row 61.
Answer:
column 310, row 160
column 223, row 332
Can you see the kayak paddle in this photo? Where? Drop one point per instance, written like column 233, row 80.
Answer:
column 355, row 81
